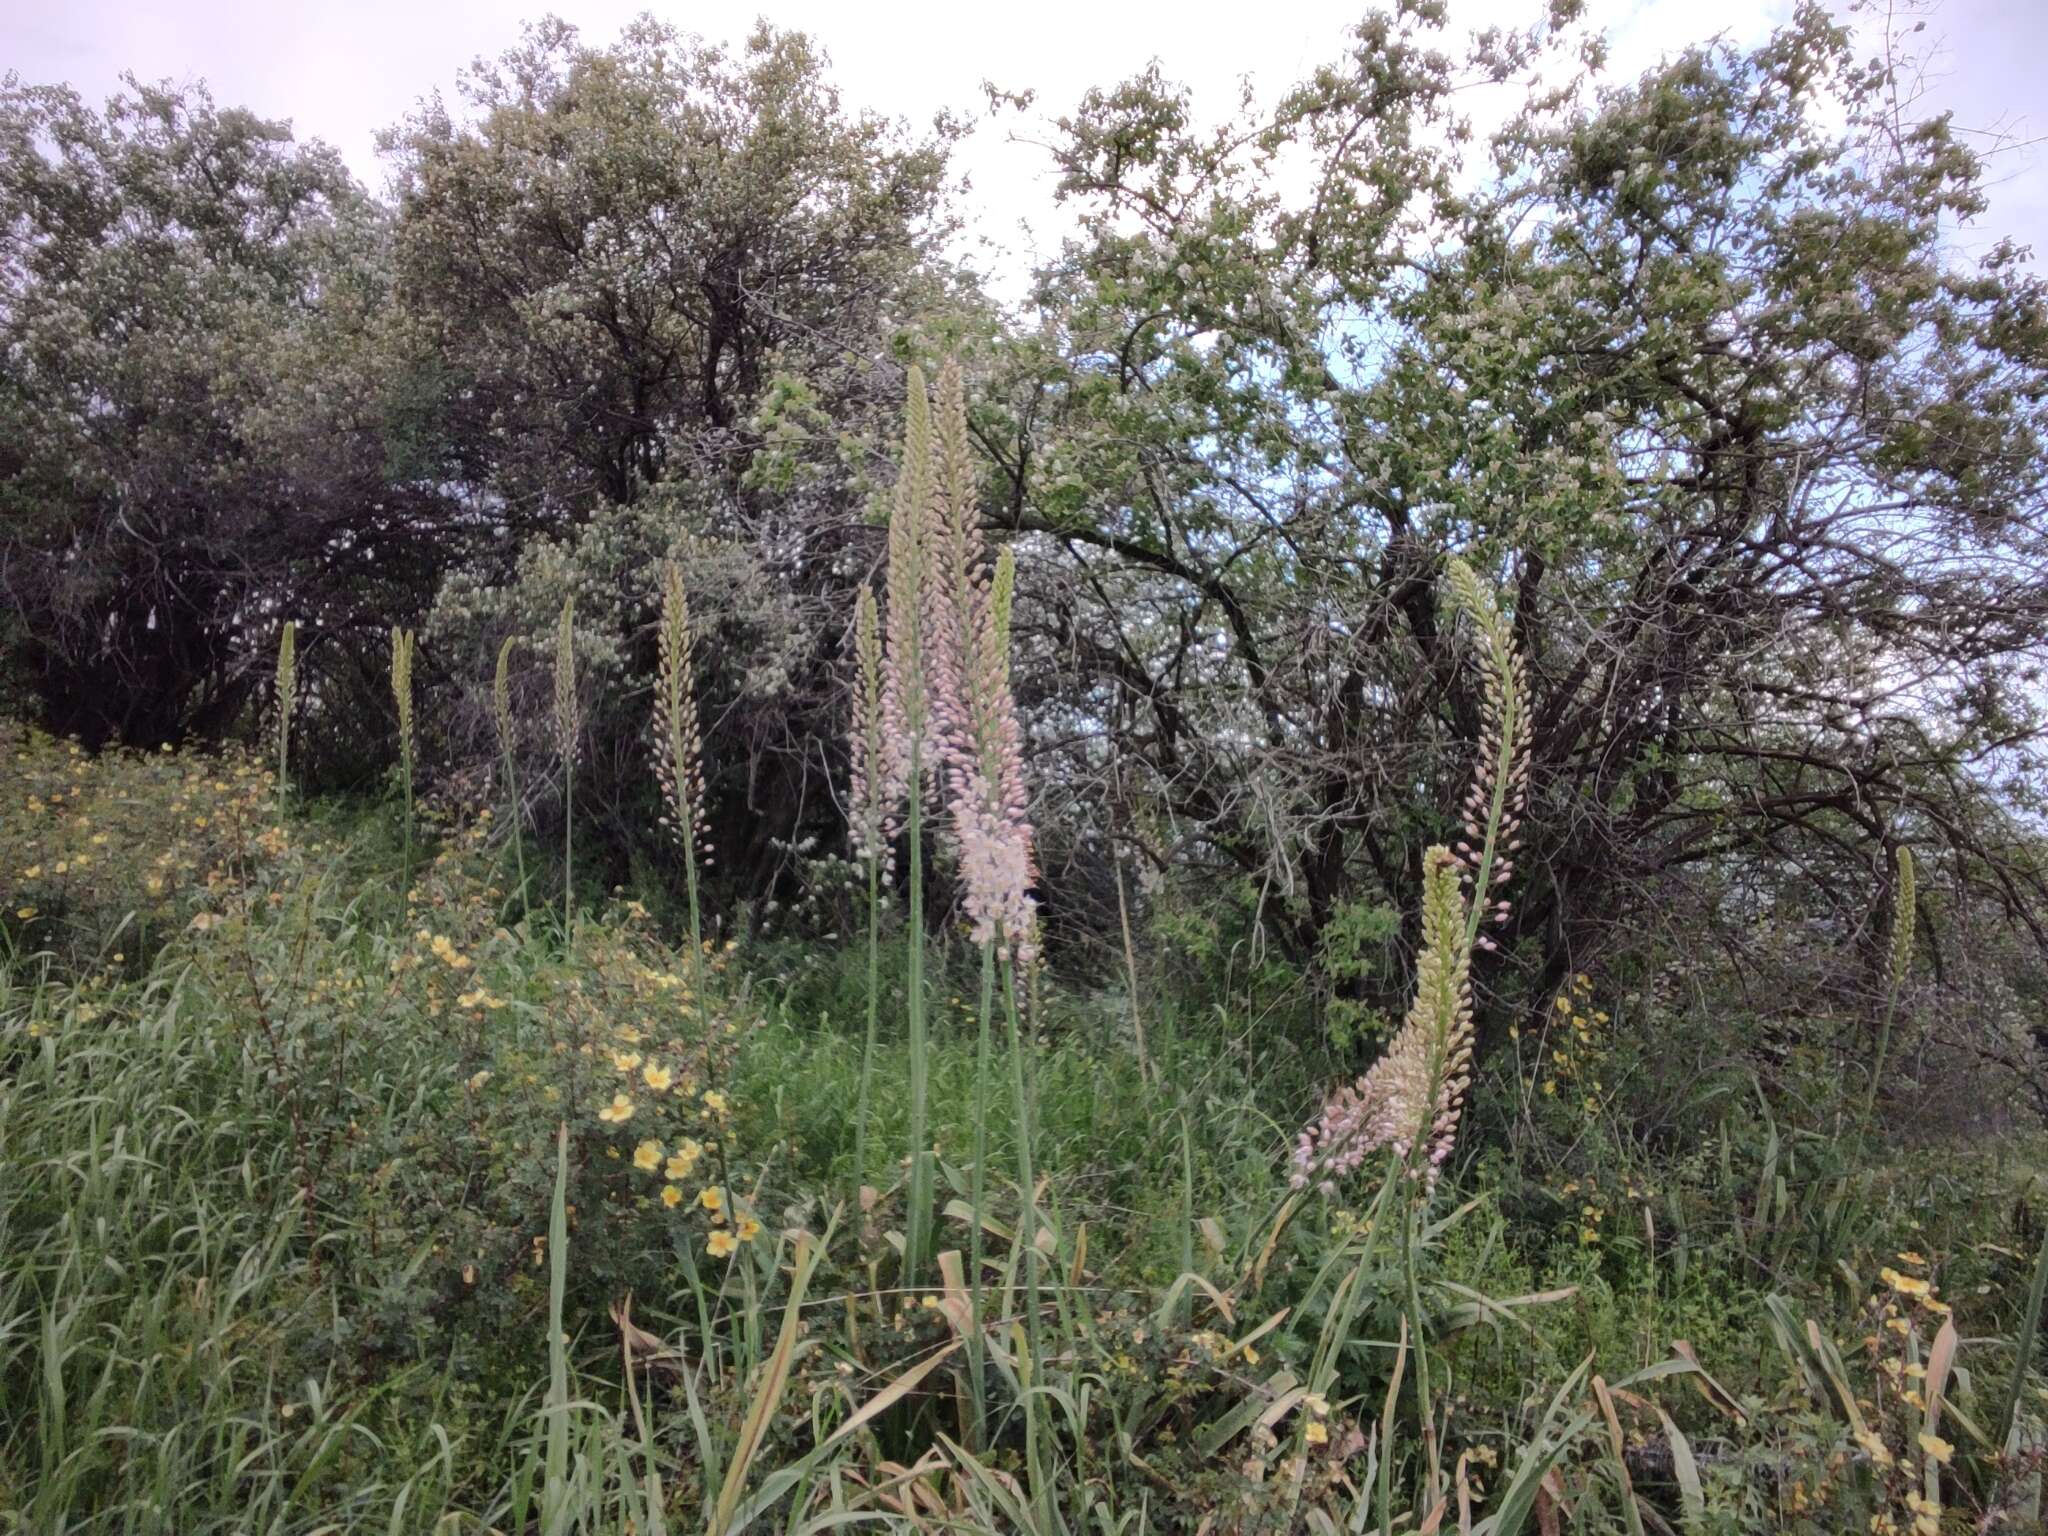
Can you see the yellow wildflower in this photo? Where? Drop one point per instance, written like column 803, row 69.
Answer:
column 721, row 1244
column 625, row 1061
column 657, row 1076
column 618, row 1112
column 647, row 1156
column 711, row 1198
column 1937, row 1447
column 749, row 1229
column 671, row 1196
column 715, row 1101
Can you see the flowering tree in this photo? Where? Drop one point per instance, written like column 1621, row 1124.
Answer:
column 1696, row 371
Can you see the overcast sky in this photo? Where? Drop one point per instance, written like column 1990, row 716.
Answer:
column 340, row 72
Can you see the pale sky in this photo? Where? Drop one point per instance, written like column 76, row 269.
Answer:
column 340, row 72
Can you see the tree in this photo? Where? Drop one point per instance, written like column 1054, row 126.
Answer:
column 619, row 248
column 668, row 280
column 1695, row 372
column 202, row 431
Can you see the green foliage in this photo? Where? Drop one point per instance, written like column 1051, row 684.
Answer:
column 329, row 1169
column 343, row 1189
column 204, row 382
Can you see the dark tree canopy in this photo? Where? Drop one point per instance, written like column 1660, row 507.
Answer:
column 203, row 425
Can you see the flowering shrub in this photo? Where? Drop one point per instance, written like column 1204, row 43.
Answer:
column 608, row 1035
column 93, row 841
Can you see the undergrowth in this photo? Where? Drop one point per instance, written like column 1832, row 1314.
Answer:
column 332, row 1204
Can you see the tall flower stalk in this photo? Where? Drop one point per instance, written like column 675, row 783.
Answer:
column 933, row 703
column 501, row 712
column 907, row 722
column 868, row 784
column 1407, row 1107
column 1904, row 898
column 678, row 759
column 401, row 693
column 976, row 734
column 1500, row 778
column 287, row 699
column 1409, row 1102
column 568, row 731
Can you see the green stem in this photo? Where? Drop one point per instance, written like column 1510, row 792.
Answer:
column 1027, row 1231
column 518, row 839
column 703, row 996
column 568, row 844
column 867, row 1060
column 405, row 888
column 284, row 747
column 1884, row 1040
column 1415, row 1332
column 978, row 1198
column 917, row 1220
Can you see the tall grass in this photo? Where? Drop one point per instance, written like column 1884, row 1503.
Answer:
column 181, row 1349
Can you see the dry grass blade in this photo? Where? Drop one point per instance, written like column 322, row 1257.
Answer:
column 1705, row 1384
column 642, row 1347
column 775, row 1375
column 894, row 1393
column 1618, row 1453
